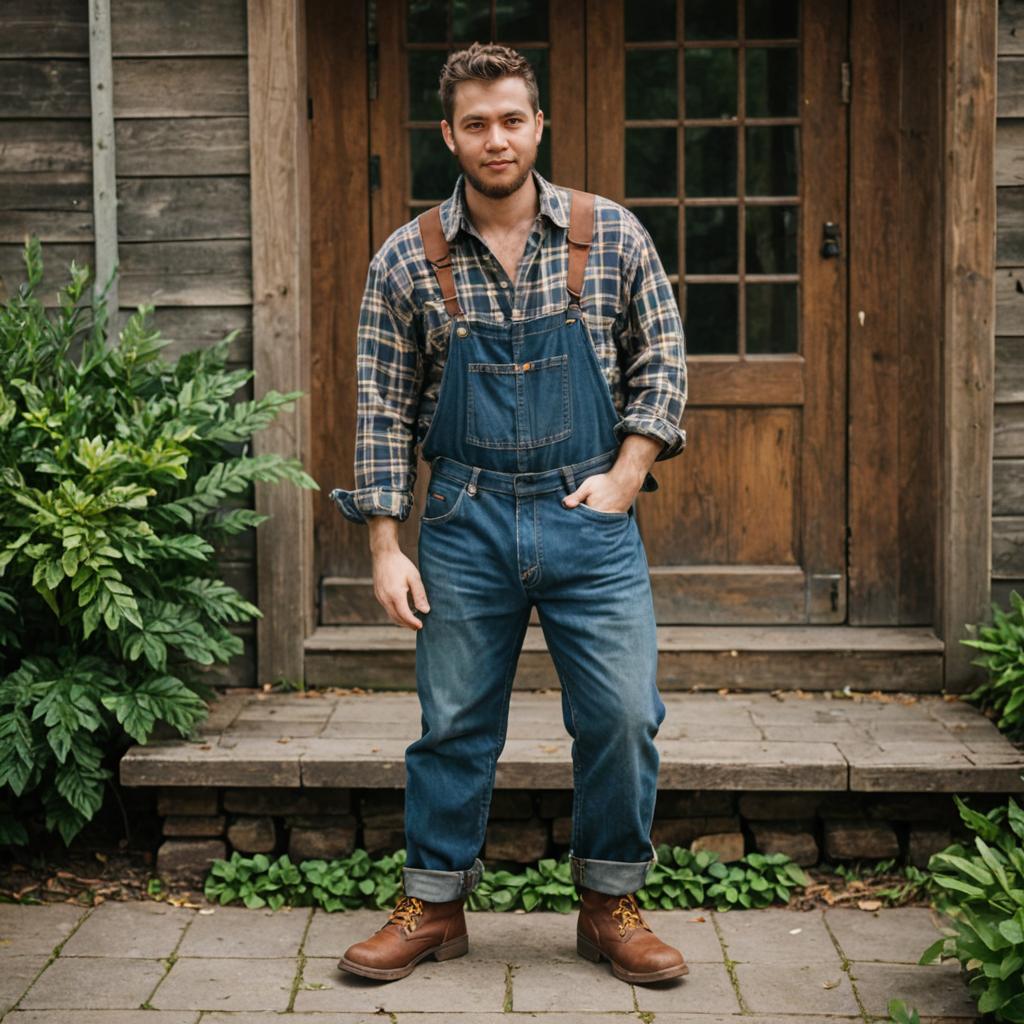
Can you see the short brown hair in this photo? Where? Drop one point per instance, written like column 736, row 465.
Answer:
column 485, row 62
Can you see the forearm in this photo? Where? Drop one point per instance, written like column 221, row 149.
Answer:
column 637, row 454
column 383, row 534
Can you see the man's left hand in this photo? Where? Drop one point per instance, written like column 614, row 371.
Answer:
column 605, row 492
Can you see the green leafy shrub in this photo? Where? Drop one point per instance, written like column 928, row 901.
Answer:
column 680, row 880
column 900, row 1013
column 114, row 466
column 983, row 892
column 1003, row 658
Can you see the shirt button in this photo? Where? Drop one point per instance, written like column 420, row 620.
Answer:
column 461, row 331
column 504, row 284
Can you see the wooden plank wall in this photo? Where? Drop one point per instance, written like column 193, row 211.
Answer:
column 1008, row 450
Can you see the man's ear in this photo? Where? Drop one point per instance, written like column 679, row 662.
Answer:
column 446, row 134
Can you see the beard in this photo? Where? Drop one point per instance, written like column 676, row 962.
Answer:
column 497, row 191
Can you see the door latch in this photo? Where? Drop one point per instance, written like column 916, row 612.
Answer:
column 830, row 240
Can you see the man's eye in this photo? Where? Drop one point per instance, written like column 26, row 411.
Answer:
column 515, row 120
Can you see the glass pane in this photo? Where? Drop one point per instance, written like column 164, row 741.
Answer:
column 650, row 21
column 711, row 240
column 434, row 169
column 772, row 19
column 771, row 239
column 772, row 81
column 771, row 318
column 651, row 84
column 424, row 74
column 710, row 321
column 539, row 61
column 425, row 21
column 663, row 224
column 651, row 162
column 771, row 160
column 710, row 167
column 471, row 20
column 522, row 19
column 710, row 82
column 710, row 19
column 543, row 164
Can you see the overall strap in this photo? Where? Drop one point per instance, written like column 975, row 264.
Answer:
column 435, row 247
column 581, row 234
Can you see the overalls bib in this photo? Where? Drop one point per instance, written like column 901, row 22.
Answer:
column 523, row 416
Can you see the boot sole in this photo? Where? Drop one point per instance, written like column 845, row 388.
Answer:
column 446, row 951
column 589, row 951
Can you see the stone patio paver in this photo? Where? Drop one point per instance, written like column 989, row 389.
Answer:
column 817, row 988
column 239, row 932
column 16, row 974
column 298, row 1018
column 896, row 935
column 706, row 989
column 106, row 1017
column 774, row 935
column 696, row 938
column 94, row 983
column 24, row 930
column 119, row 929
column 929, row 988
column 541, row 987
column 466, row 984
column 227, row 983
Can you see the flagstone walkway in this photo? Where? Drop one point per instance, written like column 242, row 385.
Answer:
column 151, row 963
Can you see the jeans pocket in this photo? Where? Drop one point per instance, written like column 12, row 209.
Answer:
column 510, row 405
column 599, row 514
column 444, row 499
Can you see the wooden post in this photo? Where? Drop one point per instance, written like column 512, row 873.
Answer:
column 281, row 324
column 969, row 342
column 104, row 171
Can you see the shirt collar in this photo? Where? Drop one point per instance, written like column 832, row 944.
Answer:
column 455, row 215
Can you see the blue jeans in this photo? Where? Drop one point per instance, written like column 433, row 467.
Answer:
column 491, row 545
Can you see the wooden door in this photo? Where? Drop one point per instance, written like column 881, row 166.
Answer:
column 723, row 127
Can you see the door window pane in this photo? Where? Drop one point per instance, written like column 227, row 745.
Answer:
column 539, row 60
column 710, row 319
column 662, row 222
column 424, row 74
column 710, row 168
column 651, row 162
column 771, row 160
column 771, row 318
column 772, row 19
column 711, row 82
column 471, row 20
column 522, row 19
column 651, row 84
column 434, row 169
column 772, row 81
column 650, row 21
column 710, row 19
column 711, row 240
column 771, row 239
column 426, row 21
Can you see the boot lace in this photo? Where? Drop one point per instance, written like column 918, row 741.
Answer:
column 408, row 910
column 628, row 915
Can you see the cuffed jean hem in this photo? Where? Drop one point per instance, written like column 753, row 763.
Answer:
column 613, row 877
column 442, row 886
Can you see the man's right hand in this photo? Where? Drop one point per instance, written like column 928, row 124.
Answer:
column 394, row 575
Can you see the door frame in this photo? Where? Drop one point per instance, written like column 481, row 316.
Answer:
column 282, row 328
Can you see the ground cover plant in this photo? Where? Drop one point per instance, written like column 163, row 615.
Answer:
column 680, row 879
column 116, row 467
column 1002, row 647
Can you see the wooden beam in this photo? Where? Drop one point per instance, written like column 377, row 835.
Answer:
column 281, row 323
column 104, row 171
column 969, row 335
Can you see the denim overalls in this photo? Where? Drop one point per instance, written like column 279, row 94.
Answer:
column 524, row 415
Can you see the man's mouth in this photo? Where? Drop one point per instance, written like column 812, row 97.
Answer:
column 498, row 164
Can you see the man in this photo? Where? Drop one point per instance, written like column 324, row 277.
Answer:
column 510, row 326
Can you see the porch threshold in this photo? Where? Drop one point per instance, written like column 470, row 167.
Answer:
column 754, row 658
column 709, row 741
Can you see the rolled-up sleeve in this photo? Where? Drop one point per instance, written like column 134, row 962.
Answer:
column 389, row 374
column 654, row 350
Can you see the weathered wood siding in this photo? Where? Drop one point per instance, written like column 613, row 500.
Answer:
column 1008, row 451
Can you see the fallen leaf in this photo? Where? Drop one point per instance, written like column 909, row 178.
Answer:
column 207, row 910
column 830, row 984
column 795, row 931
column 869, row 904
column 374, row 750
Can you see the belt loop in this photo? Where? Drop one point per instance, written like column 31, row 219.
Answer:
column 471, row 486
column 570, row 480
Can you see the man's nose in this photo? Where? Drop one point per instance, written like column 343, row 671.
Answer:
column 496, row 138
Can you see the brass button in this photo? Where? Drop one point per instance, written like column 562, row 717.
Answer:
column 461, row 331
column 526, row 366
column 471, row 489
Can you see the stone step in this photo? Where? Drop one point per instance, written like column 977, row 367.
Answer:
column 749, row 658
column 709, row 741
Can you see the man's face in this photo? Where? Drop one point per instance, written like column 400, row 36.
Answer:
column 494, row 134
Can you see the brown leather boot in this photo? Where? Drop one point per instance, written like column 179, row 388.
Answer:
column 414, row 930
column 613, row 927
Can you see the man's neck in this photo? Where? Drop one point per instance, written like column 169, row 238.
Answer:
column 503, row 215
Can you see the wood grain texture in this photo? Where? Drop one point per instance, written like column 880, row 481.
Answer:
column 969, row 328
column 606, row 77
column 1010, row 88
column 180, row 86
column 153, row 28
column 1009, row 154
column 568, row 113
column 182, row 146
column 183, row 209
column 44, row 28
column 189, row 328
column 276, row 100
column 44, row 88
column 205, row 273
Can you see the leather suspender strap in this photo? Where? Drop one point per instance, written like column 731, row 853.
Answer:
column 435, row 247
column 581, row 234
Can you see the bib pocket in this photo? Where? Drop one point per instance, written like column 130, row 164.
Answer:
column 518, row 405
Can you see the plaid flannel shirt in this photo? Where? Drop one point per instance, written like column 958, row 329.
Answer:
column 404, row 329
